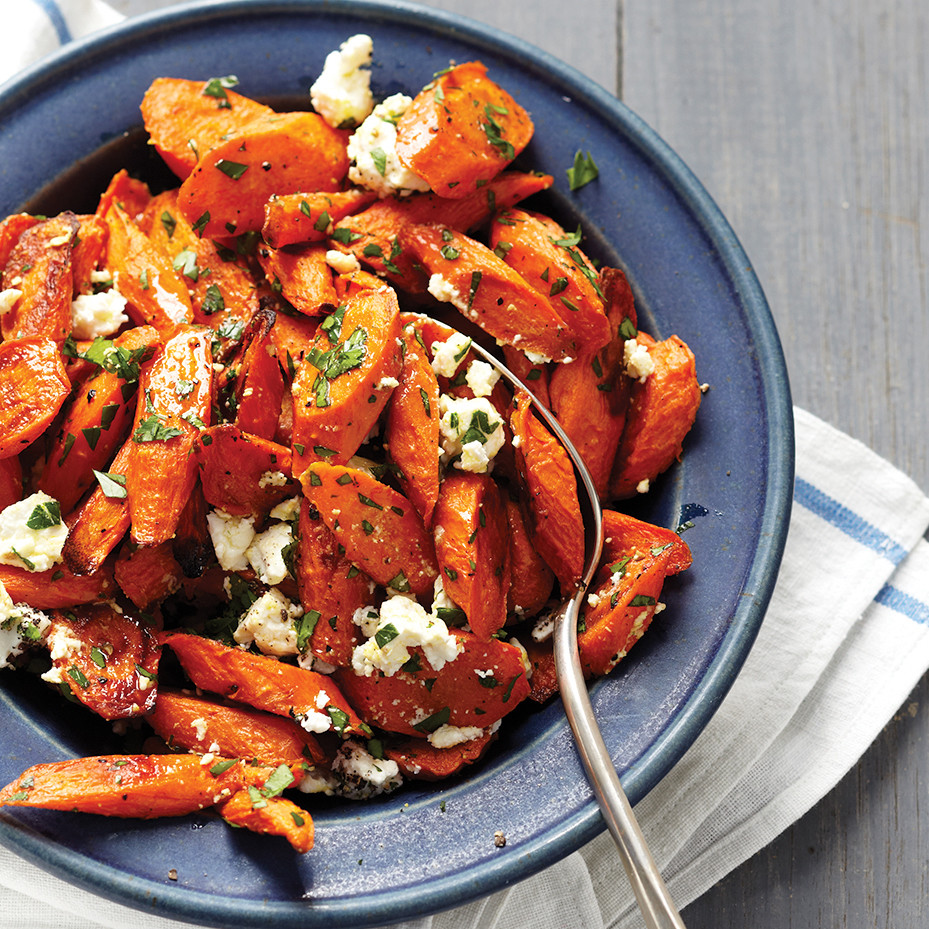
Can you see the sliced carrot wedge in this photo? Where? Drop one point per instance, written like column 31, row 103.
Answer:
column 185, row 119
column 550, row 260
column 199, row 724
column 88, row 253
column 11, row 481
column 292, row 219
column 302, row 276
column 551, row 488
column 312, row 699
column 331, row 589
column 39, row 267
column 56, row 588
column 269, row 816
column 108, row 659
column 473, row 550
column 282, row 153
column 531, row 579
column 11, row 228
column 148, row 574
column 379, row 529
column 420, row 760
column 243, row 474
column 33, row 387
column 346, row 379
column 488, row 292
column 191, row 545
column 460, row 130
column 458, row 695
column 661, row 413
column 533, row 374
column 411, row 434
column 130, row 194
column 373, row 235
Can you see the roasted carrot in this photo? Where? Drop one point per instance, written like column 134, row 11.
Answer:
column 282, row 153
column 11, row 228
column 461, row 130
column 473, row 550
column 346, row 379
column 148, row 574
column 534, row 374
column 488, row 292
column 331, row 589
column 411, row 434
column 11, row 481
column 458, row 695
column 378, row 527
column 191, row 545
column 302, row 275
column 39, row 270
column 661, row 413
column 131, row 195
column 33, row 387
column 420, row 760
column 531, row 579
column 269, row 816
column 107, row 659
column 554, row 513
column 293, row 219
column 88, row 253
column 243, row 474
column 56, row 588
column 312, row 699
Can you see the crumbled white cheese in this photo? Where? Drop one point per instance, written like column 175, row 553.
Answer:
column 446, row 736
column 287, row 510
column 314, row 721
column 637, row 361
column 199, row 726
column 8, row 299
column 373, row 151
column 471, row 432
column 367, row 618
column 543, row 628
column 36, row 549
column 317, row 781
column 446, row 292
column 272, row 479
column 342, row 92
column 481, row 378
column 440, row 599
column 446, row 356
column 99, row 314
column 342, row 263
column 537, row 358
column 20, row 625
column 360, row 775
column 231, row 537
column 523, row 655
column 269, row 623
column 402, row 624
column 266, row 553
column 642, row 486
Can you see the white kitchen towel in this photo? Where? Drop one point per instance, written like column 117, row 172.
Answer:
column 855, row 570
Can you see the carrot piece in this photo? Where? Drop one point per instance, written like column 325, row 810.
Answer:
column 131, row 195
column 302, row 276
column 185, row 119
column 460, row 130
column 96, row 527
column 155, row 292
column 192, row 546
column 11, row 481
column 199, row 724
column 350, row 284
column 533, row 374
column 33, row 387
column 96, row 420
column 489, row 292
column 661, row 413
column 11, row 228
column 281, row 153
column 174, row 402
column 292, row 219
column 269, row 816
column 372, row 236
column 459, row 696
column 379, row 529
column 312, row 699
column 149, row 574
column 411, row 434
column 89, row 250
column 220, row 285
column 57, row 587
column 346, row 379
column 531, row 579
column 331, row 587
column 551, row 488
column 133, row 786
column 108, row 659
column 473, row 550
column 39, row 268
column 235, row 468
column 293, row 337
column 420, row 760
column 549, row 259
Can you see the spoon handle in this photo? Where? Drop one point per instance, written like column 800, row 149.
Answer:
column 658, row 909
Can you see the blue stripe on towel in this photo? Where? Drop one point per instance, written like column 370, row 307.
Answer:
column 903, row 603
column 848, row 522
column 50, row 7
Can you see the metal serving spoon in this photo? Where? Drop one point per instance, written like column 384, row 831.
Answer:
column 652, row 894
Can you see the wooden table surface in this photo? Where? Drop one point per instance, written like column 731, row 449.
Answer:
column 809, row 125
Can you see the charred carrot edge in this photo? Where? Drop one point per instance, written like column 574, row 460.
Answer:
column 419, row 760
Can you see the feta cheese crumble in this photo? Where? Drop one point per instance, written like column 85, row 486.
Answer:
column 373, row 151
column 266, row 553
column 446, row 356
column 637, row 361
column 231, row 536
column 8, row 299
column 269, row 623
column 20, row 625
column 481, row 377
column 359, row 775
column 446, row 736
column 471, row 433
column 32, row 533
column 342, row 263
column 446, row 292
column 342, row 92
column 99, row 314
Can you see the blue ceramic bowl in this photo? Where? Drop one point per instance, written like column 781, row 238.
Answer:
column 430, row 848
